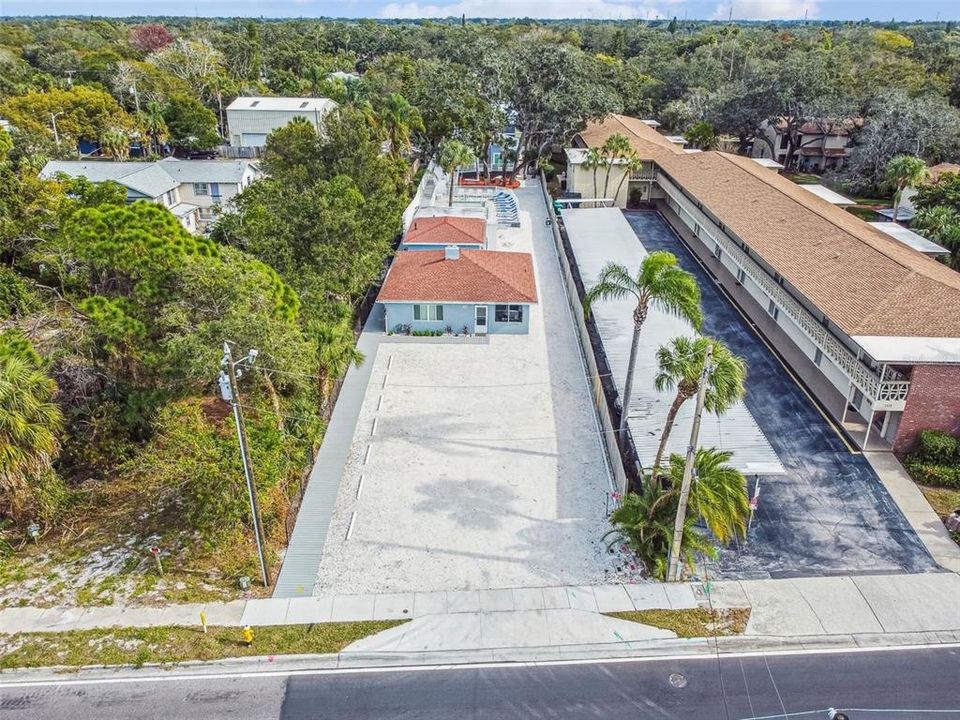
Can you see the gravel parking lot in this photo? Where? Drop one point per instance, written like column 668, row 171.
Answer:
column 476, row 465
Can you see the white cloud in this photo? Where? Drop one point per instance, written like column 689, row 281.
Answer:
column 525, row 8
column 767, row 9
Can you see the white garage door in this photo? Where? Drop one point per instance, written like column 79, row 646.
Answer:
column 254, row 139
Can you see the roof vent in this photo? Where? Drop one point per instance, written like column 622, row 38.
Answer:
column 254, row 103
column 451, row 252
column 304, row 103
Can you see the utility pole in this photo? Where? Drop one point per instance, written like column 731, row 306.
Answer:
column 136, row 96
column 230, row 393
column 673, row 570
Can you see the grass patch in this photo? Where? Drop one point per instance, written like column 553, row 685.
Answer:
column 805, row 178
column 943, row 501
column 174, row 643
column 866, row 214
column 692, row 623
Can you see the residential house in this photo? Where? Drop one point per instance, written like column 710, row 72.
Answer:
column 437, row 232
column 461, row 291
column 251, row 119
column 870, row 325
column 195, row 191
column 820, row 144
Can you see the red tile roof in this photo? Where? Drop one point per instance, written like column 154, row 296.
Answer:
column 476, row 276
column 447, row 230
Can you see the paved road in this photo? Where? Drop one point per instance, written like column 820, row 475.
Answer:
column 903, row 684
column 829, row 514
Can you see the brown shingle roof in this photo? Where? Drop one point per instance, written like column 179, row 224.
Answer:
column 863, row 280
column 447, row 230
column 644, row 139
column 934, row 173
column 476, row 276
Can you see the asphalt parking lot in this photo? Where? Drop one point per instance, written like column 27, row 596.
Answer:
column 830, row 513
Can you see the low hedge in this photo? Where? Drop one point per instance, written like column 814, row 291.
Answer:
column 935, row 474
column 938, row 447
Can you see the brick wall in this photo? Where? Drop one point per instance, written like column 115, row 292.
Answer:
column 933, row 403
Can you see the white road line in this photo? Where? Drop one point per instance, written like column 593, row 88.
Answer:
column 389, row 362
column 366, row 456
column 373, row 428
column 380, row 403
column 169, row 677
column 353, row 519
column 360, row 486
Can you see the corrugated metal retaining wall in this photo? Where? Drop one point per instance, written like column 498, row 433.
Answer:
column 607, row 426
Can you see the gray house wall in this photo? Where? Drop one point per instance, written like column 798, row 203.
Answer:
column 250, row 126
column 456, row 316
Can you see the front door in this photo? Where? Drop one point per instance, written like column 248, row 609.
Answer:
column 480, row 320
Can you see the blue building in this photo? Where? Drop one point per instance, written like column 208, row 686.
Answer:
column 475, row 292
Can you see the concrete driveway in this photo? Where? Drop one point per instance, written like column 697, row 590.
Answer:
column 829, row 514
column 476, row 465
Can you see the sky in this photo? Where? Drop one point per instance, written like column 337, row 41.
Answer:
column 616, row 9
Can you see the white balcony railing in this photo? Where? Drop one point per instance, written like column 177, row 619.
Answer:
column 892, row 392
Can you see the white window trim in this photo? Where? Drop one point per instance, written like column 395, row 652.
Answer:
column 437, row 310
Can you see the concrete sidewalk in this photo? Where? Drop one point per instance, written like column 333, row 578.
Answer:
column 805, row 607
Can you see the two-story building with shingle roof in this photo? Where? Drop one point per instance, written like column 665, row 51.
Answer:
column 196, row 191
column 870, row 325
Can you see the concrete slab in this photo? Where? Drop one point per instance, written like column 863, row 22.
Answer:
column 528, row 599
column 577, row 627
column 460, row 631
column 20, row 619
column 228, row 613
column 779, row 609
column 914, row 603
column 310, row 610
column 680, row 596
column 523, row 628
column 582, row 598
column 648, row 596
column 352, row 607
column 612, row 598
column 188, row 615
column 393, row 606
column 555, row 598
column 463, row 601
column 728, row 594
column 429, row 603
column 265, row 611
column 496, row 600
column 838, row 604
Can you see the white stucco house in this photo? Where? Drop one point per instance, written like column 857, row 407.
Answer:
column 251, row 119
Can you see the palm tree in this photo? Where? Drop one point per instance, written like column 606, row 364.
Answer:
column 115, row 144
column 719, row 495
column 151, row 119
column 660, row 283
column 29, row 424
column 615, row 147
column 336, row 352
column 454, row 155
column 634, row 165
column 398, row 118
column 592, row 161
column 681, row 367
column 644, row 521
column 904, row 171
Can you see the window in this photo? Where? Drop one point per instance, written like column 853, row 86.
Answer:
column 201, row 189
column 430, row 313
column 773, row 310
column 696, row 229
column 741, row 276
column 508, row 313
column 817, row 357
column 716, row 251
column 784, row 141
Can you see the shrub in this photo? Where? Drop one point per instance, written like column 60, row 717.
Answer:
column 940, row 475
column 938, row 447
